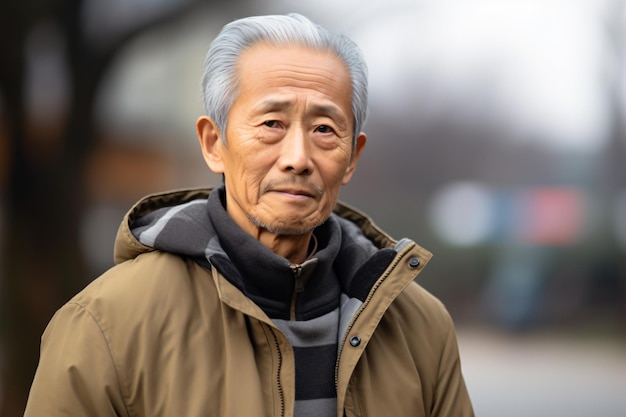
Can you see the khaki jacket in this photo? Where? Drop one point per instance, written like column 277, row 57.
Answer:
column 160, row 335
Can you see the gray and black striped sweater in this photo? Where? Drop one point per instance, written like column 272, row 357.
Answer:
column 307, row 302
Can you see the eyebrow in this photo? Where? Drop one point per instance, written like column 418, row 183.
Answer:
column 273, row 105
column 327, row 110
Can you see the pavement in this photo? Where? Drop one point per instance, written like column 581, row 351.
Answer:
column 543, row 374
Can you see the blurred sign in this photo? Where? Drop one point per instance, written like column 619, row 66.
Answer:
column 466, row 214
column 462, row 213
column 550, row 216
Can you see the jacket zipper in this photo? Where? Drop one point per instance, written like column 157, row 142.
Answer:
column 375, row 287
column 297, row 275
column 298, row 288
column 281, row 394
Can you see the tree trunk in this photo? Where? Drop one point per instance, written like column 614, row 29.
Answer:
column 44, row 268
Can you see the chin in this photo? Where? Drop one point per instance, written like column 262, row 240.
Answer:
column 285, row 228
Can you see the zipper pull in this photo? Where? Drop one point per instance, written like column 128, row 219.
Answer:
column 297, row 274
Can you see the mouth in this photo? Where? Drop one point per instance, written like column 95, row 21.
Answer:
column 296, row 191
column 293, row 192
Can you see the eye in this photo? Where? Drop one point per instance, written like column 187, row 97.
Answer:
column 324, row 129
column 271, row 123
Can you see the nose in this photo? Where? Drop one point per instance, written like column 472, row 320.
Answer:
column 295, row 153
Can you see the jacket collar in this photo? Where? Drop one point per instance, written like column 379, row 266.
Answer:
column 364, row 251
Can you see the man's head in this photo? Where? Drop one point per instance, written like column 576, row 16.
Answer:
column 220, row 81
column 287, row 141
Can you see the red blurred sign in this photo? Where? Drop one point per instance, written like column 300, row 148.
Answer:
column 550, row 216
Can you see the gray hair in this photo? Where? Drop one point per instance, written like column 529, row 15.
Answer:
column 220, row 83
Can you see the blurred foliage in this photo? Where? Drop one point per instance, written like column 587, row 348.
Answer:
column 43, row 190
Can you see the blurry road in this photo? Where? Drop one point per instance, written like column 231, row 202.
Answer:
column 542, row 375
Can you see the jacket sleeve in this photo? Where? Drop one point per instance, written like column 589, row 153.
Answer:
column 451, row 396
column 76, row 375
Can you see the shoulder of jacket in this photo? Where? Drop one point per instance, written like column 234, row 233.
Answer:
column 420, row 306
column 151, row 280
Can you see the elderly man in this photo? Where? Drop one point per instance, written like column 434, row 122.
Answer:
column 265, row 296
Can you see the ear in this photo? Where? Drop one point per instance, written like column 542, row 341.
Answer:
column 211, row 143
column 356, row 154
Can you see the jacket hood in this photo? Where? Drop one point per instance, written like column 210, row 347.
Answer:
column 191, row 203
column 127, row 246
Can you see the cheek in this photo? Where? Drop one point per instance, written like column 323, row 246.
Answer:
column 244, row 160
column 335, row 172
column 332, row 186
column 248, row 177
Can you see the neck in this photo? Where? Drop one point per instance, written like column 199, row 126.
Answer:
column 294, row 248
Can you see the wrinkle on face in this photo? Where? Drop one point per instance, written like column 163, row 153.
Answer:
column 289, row 142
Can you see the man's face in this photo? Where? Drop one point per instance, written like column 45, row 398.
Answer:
column 289, row 139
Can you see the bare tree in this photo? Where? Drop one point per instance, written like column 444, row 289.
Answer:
column 613, row 173
column 44, row 198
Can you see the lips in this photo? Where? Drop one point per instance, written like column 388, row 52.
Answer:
column 311, row 191
column 293, row 191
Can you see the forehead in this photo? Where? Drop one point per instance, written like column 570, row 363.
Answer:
column 265, row 68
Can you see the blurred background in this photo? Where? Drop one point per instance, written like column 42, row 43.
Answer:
column 497, row 140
